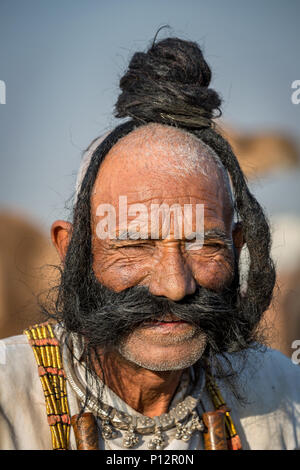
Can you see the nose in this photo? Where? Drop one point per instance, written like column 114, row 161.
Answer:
column 171, row 276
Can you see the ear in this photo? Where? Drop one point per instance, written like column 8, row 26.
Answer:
column 61, row 232
column 238, row 237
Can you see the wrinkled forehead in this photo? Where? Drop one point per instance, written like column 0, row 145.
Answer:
column 158, row 166
column 158, row 153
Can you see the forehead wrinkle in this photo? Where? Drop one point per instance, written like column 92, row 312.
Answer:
column 164, row 151
column 176, row 150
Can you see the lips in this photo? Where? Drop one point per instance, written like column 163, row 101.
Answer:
column 168, row 321
column 169, row 318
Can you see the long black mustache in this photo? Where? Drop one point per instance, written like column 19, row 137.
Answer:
column 106, row 317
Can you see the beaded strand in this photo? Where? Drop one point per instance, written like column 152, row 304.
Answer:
column 47, row 354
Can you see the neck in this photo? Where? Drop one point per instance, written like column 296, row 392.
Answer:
column 148, row 392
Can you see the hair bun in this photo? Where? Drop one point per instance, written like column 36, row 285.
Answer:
column 169, row 84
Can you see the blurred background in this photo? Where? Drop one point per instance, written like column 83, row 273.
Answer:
column 61, row 62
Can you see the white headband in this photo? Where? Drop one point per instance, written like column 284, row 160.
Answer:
column 84, row 164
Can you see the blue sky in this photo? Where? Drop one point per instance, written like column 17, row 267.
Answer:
column 61, row 61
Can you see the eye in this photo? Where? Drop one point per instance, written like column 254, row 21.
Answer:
column 193, row 245
column 214, row 246
column 198, row 248
column 135, row 250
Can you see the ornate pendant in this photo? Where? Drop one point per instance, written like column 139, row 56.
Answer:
column 130, row 438
column 179, row 429
column 107, row 430
column 197, row 423
column 158, row 441
column 185, row 431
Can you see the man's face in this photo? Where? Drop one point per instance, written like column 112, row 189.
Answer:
column 161, row 165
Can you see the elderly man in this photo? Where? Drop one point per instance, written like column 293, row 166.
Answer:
column 154, row 345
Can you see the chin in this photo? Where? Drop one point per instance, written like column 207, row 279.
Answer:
column 155, row 358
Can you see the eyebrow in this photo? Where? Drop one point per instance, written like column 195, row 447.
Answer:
column 209, row 235
column 217, row 234
column 131, row 236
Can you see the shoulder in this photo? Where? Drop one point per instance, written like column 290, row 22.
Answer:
column 23, row 422
column 265, row 377
column 269, row 373
column 14, row 348
column 269, row 412
column 15, row 351
column 18, row 369
column 18, row 365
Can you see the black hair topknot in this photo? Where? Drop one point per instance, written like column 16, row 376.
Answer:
column 169, row 82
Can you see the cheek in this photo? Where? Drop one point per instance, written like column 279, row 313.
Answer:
column 118, row 273
column 214, row 274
